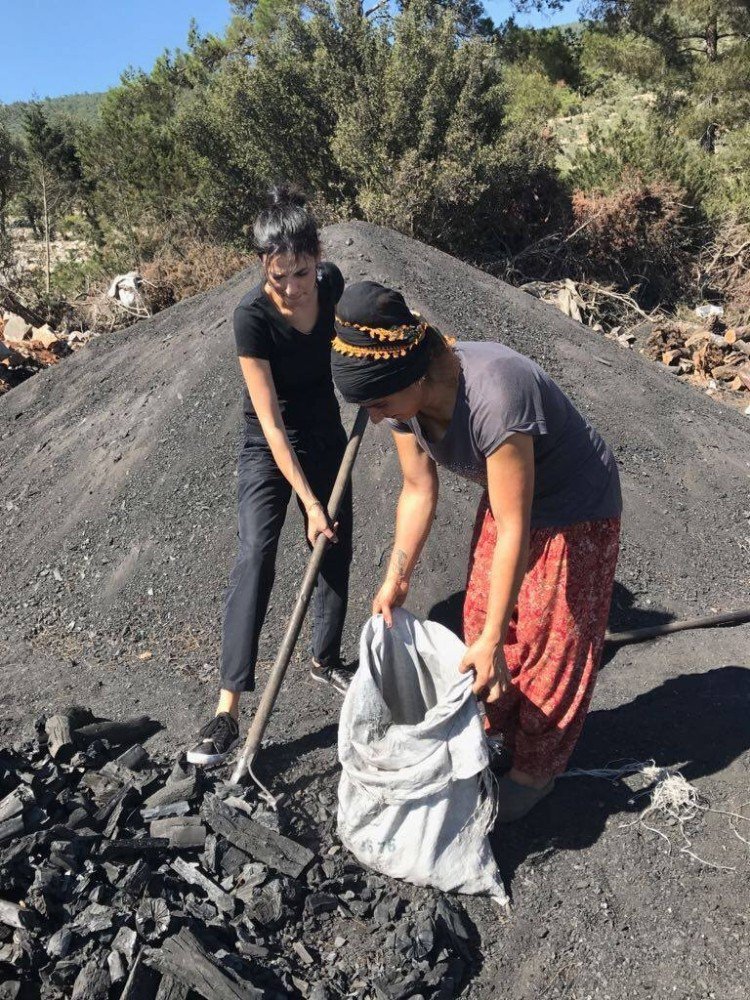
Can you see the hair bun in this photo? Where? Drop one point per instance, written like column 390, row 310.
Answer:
column 281, row 195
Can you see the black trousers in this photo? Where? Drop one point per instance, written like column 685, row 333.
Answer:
column 263, row 495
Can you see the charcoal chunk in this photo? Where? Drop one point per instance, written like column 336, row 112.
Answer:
column 134, row 758
column 187, row 960
column 13, row 915
column 60, row 943
column 92, row 982
column 126, row 942
column 137, row 847
column 320, row 902
column 186, row 789
column 265, row 906
column 193, row 876
column 260, row 842
column 152, row 919
column 116, row 733
column 171, row 809
column 142, row 984
column 135, row 879
column 171, row 989
column 116, row 966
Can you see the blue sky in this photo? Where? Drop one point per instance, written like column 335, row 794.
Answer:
column 54, row 47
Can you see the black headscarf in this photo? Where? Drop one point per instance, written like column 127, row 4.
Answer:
column 380, row 347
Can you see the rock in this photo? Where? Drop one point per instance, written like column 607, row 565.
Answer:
column 671, row 357
column 16, row 330
column 45, row 336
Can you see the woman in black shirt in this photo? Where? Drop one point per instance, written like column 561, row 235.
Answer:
column 294, row 442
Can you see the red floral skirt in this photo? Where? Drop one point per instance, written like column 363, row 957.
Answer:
column 554, row 642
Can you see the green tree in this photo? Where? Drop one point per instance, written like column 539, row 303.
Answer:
column 141, row 173
column 11, row 172
column 707, row 42
column 427, row 142
column 557, row 51
column 54, row 171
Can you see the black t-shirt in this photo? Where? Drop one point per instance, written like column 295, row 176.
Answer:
column 300, row 363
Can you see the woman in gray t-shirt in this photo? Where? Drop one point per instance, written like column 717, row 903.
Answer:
column 546, row 537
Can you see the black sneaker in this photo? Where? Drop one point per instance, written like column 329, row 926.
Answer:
column 331, row 673
column 217, row 740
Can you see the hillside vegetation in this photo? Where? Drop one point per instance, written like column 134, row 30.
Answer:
column 615, row 151
column 77, row 108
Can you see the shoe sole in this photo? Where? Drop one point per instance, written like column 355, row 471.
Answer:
column 325, row 680
column 208, row 759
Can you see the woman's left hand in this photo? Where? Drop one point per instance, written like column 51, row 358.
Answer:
column 487, row 660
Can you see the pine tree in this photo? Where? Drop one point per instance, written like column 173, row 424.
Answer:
column 707, row 44
column 54, row 171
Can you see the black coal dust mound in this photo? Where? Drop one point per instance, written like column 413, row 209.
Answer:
column 117, row 487
column 123, row 878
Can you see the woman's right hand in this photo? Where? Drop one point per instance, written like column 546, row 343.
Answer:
column 318, row 524
column 392, row 594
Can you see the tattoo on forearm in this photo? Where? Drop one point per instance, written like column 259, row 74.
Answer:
column 398, row 561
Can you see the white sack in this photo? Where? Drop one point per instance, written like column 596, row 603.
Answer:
column 414, row 795
column 125, row 288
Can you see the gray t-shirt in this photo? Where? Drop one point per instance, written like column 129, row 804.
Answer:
column 500, row 393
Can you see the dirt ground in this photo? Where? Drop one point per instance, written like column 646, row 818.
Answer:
column 117, row 493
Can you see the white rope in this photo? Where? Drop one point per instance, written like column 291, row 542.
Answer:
column 672, row 798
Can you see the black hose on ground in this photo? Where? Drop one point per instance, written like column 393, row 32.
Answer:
column 654, row 631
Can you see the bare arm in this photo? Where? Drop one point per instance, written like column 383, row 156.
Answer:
column 260, row 386
column 510, row 484
column 414, row 515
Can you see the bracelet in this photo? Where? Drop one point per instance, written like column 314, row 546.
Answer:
column 315, row 503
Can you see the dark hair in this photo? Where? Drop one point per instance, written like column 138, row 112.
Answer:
column 437, row 345
column 286, row 225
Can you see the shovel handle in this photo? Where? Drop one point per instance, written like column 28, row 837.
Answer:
column 284, row 655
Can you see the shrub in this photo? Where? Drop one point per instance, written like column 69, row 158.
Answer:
column 195, row 266
column 636, row 238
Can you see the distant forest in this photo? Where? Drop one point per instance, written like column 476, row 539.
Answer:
column 615, row 151
column 82, row 108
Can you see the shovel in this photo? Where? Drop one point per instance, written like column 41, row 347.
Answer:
column 257, row 729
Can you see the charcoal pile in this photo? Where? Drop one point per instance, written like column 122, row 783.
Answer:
column 124, row 877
